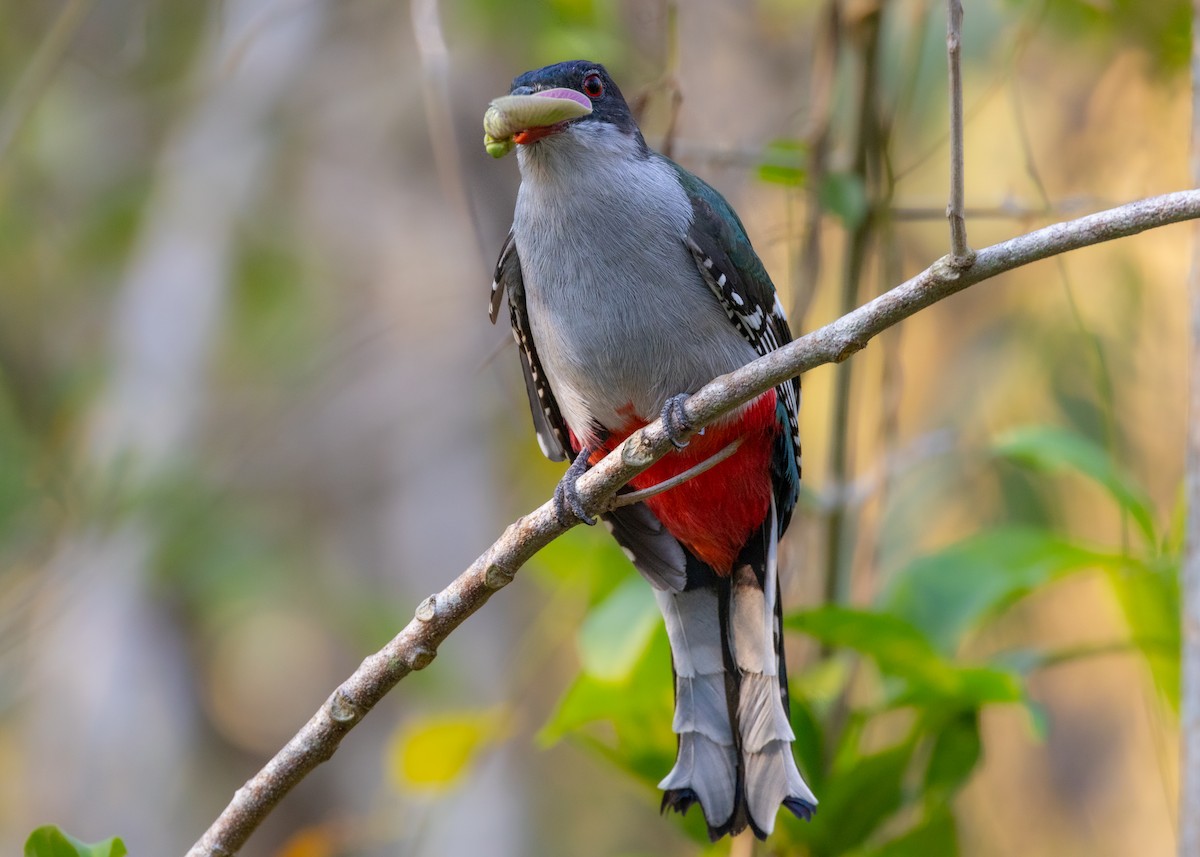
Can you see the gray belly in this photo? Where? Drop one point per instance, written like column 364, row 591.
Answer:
column 619, row 313
column 620, row 332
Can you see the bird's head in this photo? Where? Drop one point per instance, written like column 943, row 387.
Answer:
column 596, row 115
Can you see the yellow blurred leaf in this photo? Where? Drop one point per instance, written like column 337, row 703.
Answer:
column 433, row 753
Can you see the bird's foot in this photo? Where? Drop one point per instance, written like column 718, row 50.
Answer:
column 567, row 504
column 675, row 421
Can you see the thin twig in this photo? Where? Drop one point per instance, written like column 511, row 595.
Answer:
column 960, row 253
column 1189, row 710
column 826, row 52
column 668, row 81
column 436, row 618
column 671, row 78
column 628, row 498
column 1006, row 210
column 1016, row 50
column 443, row 137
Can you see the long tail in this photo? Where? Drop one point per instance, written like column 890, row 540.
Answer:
column 735, row 741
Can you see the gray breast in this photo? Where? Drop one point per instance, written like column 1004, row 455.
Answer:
column 620, row 315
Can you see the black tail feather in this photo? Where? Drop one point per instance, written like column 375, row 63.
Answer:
column 681, row 800
column 678, row 800
column 802, row 809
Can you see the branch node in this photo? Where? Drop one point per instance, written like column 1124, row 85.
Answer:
column 850, row 347
column 420, row 657
column 497, row 576
column 949, row 268
column 342, row 709
column 637, row 451
column 427, row 609
column 961, row 261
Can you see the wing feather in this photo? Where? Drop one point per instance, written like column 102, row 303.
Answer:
column 547, row 420
column 737, row 279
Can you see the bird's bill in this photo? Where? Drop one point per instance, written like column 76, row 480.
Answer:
column 524, row 119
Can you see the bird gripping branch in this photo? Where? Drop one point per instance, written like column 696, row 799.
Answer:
column 630, row 284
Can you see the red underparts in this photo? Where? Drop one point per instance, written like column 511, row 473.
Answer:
column 714, row 514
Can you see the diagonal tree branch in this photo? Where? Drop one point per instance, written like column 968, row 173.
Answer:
column 438, row 615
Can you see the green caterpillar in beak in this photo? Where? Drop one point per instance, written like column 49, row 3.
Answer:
column 509, row 117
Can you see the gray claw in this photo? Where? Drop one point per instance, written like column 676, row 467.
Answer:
column 567, row 504
column 675, row 421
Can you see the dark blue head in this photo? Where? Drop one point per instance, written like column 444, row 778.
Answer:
column 593, row 80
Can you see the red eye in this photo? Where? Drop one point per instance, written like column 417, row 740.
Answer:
column 593, row 86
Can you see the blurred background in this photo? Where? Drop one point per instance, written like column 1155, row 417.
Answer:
column 252, row 412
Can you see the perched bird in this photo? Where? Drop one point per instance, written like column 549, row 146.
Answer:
column 630, row 284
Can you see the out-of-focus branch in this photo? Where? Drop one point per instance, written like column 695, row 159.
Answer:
column 960, row 253
column 870, row 143
column 826, row 53
column 1007, row 209
column 1189, row 714
column 443, row 137
column 415, row 647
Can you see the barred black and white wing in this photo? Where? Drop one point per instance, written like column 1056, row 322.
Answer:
column 547, row 420
column 736, row 277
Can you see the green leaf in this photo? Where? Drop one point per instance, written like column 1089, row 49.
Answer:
column 934, row 837
column 1149, row 599
column 785, row 162
column 633, row 716
column 49, row 841
column 1039, row 719
column 844, row 195
column 1173, row 538
column 809, row 737
column 820, row 682
column 965, row 687
column 894, row 644
column 616, row 632
column 901, row 651
column 1055, row 449
column 858, row 799
column 587, row 561
column 956, row 751
column 951, row 592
